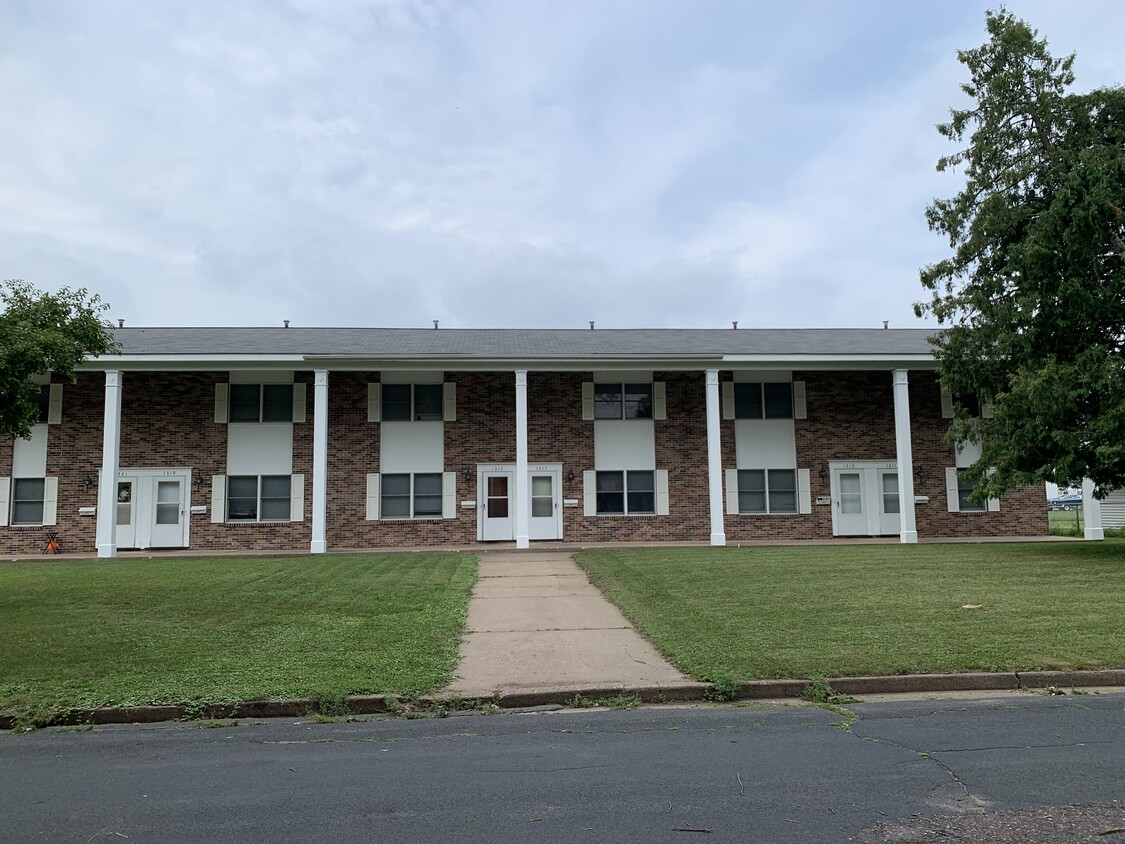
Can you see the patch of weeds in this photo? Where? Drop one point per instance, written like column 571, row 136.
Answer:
column 621, row 701
column 1079, row 692
column 580, row 702
column 333, row 706
column 76, row 728
column 818, row 690
column 724, row 688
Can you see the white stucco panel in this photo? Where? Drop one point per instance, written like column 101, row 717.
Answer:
column 624, row 444
column 411, row 447
column 765, row 444
column 260, row 448
column 29, row 457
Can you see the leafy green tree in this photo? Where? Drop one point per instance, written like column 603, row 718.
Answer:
column 1033, row 295
column 41, row 332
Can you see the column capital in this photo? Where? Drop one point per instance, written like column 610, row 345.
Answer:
column 899, row 376
column 521, row 377
column 113, row 378
column 711, row 376
column 320, row 377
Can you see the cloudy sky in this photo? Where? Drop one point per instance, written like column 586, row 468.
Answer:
column 491, row 164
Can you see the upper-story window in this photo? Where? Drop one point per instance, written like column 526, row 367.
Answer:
column 623, row 401
column 412, row 403
column 763, row 400
column 261, row 402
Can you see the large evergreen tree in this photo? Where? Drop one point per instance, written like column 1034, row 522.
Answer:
column 41, row 332
column 1033, row 295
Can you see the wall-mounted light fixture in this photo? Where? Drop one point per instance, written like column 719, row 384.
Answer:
column 468, row 476
column 570, row 476
column 198, row 479
column 88, row 480
column 822, row 473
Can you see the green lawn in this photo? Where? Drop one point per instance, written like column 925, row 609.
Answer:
column 131, row 632
column 872, row 609
column 1065, row 522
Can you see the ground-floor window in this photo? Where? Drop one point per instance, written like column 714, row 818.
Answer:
column 258, row 498
column 964, row 490
column 763, row 491
column 411, row 496
column 626, row 493
column 27, row 501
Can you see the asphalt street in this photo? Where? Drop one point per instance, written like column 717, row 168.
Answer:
column 762, row 773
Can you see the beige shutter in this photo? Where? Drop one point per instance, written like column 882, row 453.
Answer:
column 662, row 492
column 218, row 497
column 372, row 495
column 799, row 407
column 985, row 410
column 50, row 500
column 659, row 400
column 54, row 406
column 222, row 392
column 946, row 405
column 728, row 400
column 300, row 404
column 732, row 492
column 5, row 500
column 297, row 497
column 804, row 492
column 993, row 504
column 589, row 493
column 952, row 500
column 449, row 404
column 588, row 401
column 449, row 494
column 374, row 406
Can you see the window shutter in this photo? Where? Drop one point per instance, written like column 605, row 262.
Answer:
column 952, row 500
column 804, row 492
column 5, row 500
column 994, row 505
column 449, row 492
column 732, row 492
column 374, row 410
column 659, row 400
column 297, row 497
column 662, row 492
column 372, row 494
column 50, row 500
column 222, row 391
column 587, row 401
column 218, row 497
column 299, row 405
column 449, row 405
column 799, row 408
column 946, row 406
column 590, row 492
column 985, row 410
column 728, row 401
column 54, row 407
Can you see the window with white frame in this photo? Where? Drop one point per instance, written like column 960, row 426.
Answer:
column 766, row 491
column 411, row 496
column 964, row 490
column 259, row 498
column 28, row 495
column 261, row 403
column 412, row 402
column 763, row 400
column 626, row 493
column 623, row 401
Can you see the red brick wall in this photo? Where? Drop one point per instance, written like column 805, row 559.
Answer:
column 168, row 421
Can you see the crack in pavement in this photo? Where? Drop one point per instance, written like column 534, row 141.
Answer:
column 979, row 803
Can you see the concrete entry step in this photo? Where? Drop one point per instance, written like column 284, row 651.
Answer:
column 535, row 622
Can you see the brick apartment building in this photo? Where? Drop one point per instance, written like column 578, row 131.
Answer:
column 317, row 439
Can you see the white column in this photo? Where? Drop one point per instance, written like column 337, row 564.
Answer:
column 522, row 499
column 1091, row 512
column 106, row 532
column 904, row 458
column 320, row 463
column 715, row 459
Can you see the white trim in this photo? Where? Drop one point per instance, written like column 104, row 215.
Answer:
column 50, row 500
column 297, row 498
column 218, row 499
column 946, row 405
column 300, row 401
column 54, row 406
column 222, row 399
column 728, row 400
column 659, row 400
column 952, row 495
column 732, row 492
column 372, row 510
column 662, row 492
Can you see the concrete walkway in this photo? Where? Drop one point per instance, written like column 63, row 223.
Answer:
column 536, row 624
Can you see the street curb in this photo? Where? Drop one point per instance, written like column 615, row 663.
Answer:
column 749, row 690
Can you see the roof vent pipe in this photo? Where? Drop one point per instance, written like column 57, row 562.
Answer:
column 591, row 325
column 286, row 322
column 120, row 323
column 886, row 323
column 734, row 324
column 435, row 325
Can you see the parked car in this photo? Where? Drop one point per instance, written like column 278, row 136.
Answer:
column 1065, row 502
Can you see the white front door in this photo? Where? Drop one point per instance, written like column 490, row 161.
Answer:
column 497, row 518
column 152, row 507
column 865, row 498
column 545, row 513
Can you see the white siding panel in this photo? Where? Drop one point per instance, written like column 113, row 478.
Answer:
column 300, row 402
column 374, row 402
column 589, row 493
column 804, row 492
column 222, row 393
column 260, row 448
column 449, row 401
column 1113, row 509
column 411, row 447
column 449, row 495
column 968, row 453
column 728, row 400
column 662, row 492
column 54, row 407
column 297, row 498
column 732, row 492
column 624, row 444
column 587, row 400
column 218, row 498
column 29, row 457
column 50, row 500
column 952, row 500
column 800, row 406
column 372, row 497
column 659, row 400
column 765, row 444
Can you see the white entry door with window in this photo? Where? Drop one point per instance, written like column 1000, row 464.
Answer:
column 152, row 508
column 865, row 498
column 496, row 490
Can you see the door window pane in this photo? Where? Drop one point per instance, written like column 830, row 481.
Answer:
column 747, row 400
column 124, row 502
column 783, row 490
column 167, row 502
column 277, row 403
column 638, row 401
column 542, row 496
column 427, row 403
column 610, row 492
column 396, row 402
column 395, row 495
column 851, row 496
column 607, row 401
column 427, row 495
column 751, row 491
column 779, row 400
column 641, row 493
column 244, row 401
column 498, row 497
column 890, row 493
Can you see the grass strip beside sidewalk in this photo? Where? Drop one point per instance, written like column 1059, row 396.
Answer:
column 776, row 612
column 129, row 632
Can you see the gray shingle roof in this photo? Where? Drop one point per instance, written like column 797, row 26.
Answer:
column 523, row 343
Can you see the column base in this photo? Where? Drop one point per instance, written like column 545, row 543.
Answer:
column 107, row 551
column 1095, row 534
column 718, row 539
column 318, row 546
column 523, row 542
column 908, row 537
